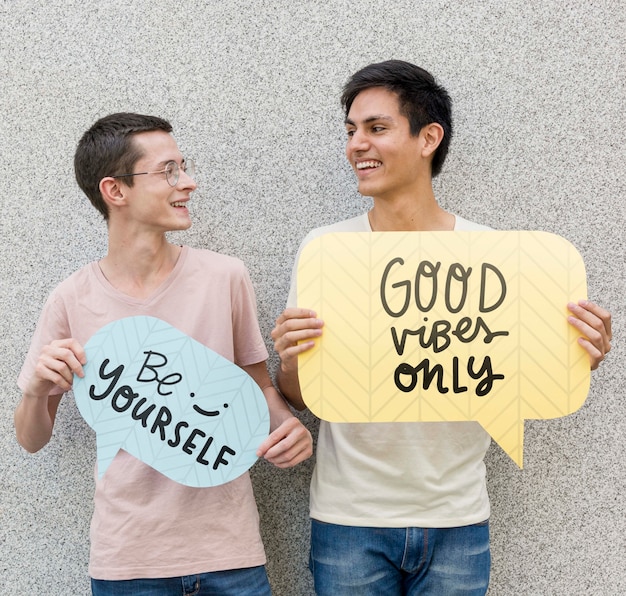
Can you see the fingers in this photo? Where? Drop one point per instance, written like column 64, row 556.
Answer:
column 595, row 355
column 594, row 324
column 290, row 444
column 294, row 313
column 593, row 312
column 58, row 362
column 295, row 332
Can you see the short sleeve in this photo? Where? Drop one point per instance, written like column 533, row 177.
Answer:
column 52, row 325
column 249, row 347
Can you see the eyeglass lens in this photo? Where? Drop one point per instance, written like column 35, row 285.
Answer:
column 172, row 171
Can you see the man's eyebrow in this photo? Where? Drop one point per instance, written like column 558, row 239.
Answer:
column 369, row 119
column 163, row 163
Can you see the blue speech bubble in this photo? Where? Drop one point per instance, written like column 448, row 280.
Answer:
column 171, row 402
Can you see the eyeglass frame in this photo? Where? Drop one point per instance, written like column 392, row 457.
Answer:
column 187, row 164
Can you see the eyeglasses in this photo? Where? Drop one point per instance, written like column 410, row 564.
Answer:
column 171, row 171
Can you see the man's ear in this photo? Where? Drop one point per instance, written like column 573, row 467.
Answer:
column 112, row 192
column 432, row 136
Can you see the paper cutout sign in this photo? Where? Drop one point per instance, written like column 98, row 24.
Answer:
column 171, row 402
column 444, row 326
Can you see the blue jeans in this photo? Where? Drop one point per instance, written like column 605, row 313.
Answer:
column 236, row 582
column 358, row 561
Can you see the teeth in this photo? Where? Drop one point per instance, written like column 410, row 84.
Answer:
column 368, row 164
column 178, row 204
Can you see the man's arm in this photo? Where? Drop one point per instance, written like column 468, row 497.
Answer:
column 295, row 332
column 35, row 414
column 594, row 323
column 289, row 442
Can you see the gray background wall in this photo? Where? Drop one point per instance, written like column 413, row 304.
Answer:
column 252, row 91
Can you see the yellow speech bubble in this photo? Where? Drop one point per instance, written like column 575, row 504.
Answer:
column 444, row 326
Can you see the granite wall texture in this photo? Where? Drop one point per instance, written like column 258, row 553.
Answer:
column 252, row 88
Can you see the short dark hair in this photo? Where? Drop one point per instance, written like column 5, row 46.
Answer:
column 421, row 99
column 106, row 149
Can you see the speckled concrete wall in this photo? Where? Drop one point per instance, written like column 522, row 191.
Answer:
column 252, row 90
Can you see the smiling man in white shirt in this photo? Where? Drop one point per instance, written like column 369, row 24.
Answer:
column 400, row 508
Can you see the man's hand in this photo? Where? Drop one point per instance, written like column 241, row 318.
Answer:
column 57, row 364
column 36, row 412
column 295, row 332
column 289, row 441
column 594, row 323
column 288, row 445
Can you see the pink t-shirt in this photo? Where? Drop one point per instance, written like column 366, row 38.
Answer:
column 144, row 524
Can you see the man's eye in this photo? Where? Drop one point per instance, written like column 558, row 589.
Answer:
column 350, row 133
column 170, row 168
column 378, row 128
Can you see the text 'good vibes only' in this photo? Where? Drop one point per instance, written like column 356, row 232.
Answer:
column 414, row 293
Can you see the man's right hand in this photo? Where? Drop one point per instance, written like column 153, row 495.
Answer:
column 57, row 364
column 35, row 414
column 295, row 332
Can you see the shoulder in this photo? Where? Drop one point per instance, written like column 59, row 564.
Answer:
column 360, row 223
column 75, row 283
column 66, row 300
column 204, row 262
column 214, row 259
column 465, row 225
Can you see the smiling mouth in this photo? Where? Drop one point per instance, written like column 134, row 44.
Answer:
column 368, row 165
column 179, row 204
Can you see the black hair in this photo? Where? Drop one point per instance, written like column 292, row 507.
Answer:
column 107, row 149
column 421, row 99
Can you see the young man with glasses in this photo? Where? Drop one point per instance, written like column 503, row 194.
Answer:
column 149, row 534
column 399, row 508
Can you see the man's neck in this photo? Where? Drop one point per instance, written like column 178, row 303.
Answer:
column 138, row 265
column 419, row 213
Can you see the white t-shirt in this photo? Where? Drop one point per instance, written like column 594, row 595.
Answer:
column 398, row 474
column 144, row 524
